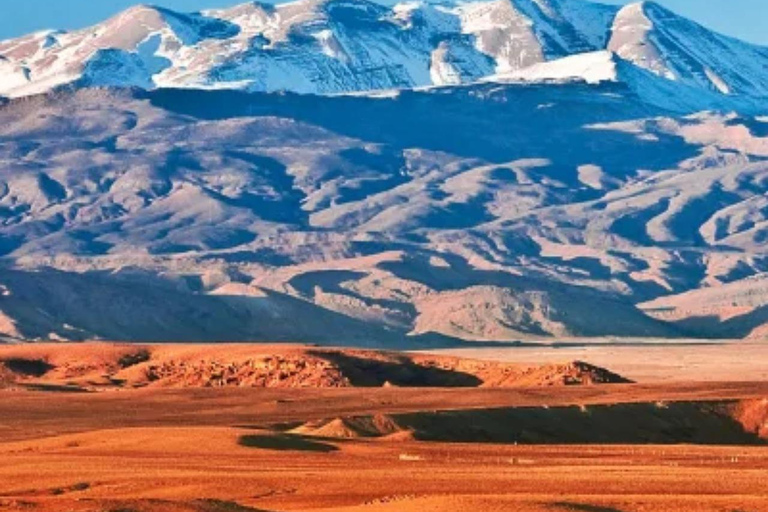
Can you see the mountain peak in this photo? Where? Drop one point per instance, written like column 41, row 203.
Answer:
column 142, row 8
column 678, row 49
column 343, row 46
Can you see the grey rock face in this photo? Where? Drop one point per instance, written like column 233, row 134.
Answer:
column 492, row 212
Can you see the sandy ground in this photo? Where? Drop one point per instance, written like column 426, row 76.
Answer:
column 205, row 468
column 236, row 450
column 204, row 450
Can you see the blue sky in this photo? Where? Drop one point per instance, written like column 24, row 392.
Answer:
column 746, row 19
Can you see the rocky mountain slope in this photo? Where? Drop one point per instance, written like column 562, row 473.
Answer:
column 174, row 215
column 604, row 185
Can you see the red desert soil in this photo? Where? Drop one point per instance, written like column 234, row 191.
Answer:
column 163, row 447
column 105, row 366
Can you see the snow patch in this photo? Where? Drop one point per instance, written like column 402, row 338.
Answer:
column 330, row 45
column 717, row 81
column 592, row 68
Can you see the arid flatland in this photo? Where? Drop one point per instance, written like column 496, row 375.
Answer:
column 543, row 446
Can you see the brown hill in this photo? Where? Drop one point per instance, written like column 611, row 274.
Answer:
column 107, row 366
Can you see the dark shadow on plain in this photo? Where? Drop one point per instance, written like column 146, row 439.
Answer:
column 583, row 507
column 53, row 388
column 631, row 424
column 285, row 442
column 212, row 505
column 200, row 505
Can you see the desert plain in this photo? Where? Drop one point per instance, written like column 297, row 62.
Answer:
column 103, row 427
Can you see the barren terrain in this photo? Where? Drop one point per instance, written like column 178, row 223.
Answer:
column 558, row 209
column 111, row 440
column 466, row 224
column 101, row 366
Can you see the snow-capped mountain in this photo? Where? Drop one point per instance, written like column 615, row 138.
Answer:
column 341, row 46
column 582, row 171
column 678, row 49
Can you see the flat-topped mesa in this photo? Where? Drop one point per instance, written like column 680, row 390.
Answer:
column 343, row 46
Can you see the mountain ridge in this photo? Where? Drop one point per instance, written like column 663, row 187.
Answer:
column 345, row 46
